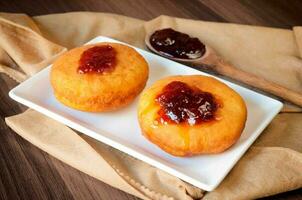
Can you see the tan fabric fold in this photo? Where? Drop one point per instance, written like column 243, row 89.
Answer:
column 280, row 167
column 29, row 49
column 81, row 27
column 298, row 36
column 14, row 74
column 28, row 45
column 74, row 151
column 284, row 131
column 21, row 19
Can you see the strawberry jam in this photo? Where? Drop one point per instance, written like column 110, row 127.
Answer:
column 176, row 44
column 182, row 104
column 98, row 59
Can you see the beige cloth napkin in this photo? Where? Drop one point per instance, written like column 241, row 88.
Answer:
column 272, row 165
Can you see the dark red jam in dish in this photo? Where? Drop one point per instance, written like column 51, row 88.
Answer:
column 182, row 104
column 97, row 59
column 176, row 44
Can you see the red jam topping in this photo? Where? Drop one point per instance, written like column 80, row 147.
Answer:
column 176, row 44
column 98, row 59
column 182, row 104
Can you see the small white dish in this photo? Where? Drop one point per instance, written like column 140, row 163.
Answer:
column 120, row 129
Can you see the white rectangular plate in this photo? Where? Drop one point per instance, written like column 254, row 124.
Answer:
column 120, row 129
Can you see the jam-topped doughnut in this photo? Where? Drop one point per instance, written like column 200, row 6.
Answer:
column 99, row 77
column 190, row 115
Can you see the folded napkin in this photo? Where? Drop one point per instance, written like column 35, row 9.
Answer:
column 272, row 165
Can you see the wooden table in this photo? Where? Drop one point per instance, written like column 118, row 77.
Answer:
column 26, row 172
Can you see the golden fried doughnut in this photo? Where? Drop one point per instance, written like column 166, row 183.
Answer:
column 99, row 77
column 190, row 115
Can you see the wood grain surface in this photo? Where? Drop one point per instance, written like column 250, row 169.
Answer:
column 29, row 173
